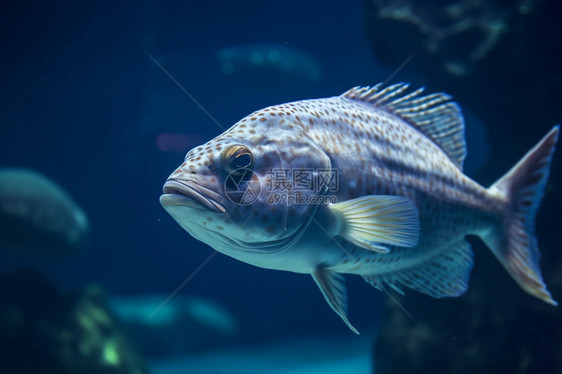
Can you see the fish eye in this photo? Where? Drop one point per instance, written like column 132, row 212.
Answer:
column 237, row 159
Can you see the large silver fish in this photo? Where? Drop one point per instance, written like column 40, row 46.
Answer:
column 367, row 183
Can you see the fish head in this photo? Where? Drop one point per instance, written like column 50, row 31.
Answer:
column 237, row 192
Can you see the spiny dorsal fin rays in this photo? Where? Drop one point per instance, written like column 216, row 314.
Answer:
column 421, row 103
column 372, row 220
column 388, row 93
column 434, row 115
column 396, row 102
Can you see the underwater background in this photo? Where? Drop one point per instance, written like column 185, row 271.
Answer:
column 104, row 99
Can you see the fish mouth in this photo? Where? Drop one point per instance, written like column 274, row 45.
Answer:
column 190, row 194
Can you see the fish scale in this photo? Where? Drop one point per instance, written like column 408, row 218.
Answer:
column 401, row 209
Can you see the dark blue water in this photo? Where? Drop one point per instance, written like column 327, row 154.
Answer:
column 82, row 102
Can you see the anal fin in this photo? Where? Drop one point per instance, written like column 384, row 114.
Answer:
column 333, row 288
column 444, row 275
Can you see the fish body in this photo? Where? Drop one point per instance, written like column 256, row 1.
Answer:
column 38, row 216
column 370, row 183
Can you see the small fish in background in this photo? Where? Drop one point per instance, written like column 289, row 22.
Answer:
column 370, row 183
column 38, row 216
column 269, row 60
column 183, row 325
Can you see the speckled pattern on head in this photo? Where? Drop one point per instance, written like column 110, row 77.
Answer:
column 401, row 209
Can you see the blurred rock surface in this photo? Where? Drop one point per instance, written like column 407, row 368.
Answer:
column 43, row 330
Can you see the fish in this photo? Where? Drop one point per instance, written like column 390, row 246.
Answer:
column 37, row 216
column 181, row 326
column 369, row 183
column 269, row 60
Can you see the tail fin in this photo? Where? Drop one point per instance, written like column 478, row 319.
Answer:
column 514, row 242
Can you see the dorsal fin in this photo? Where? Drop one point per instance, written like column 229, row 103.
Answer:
column 434, row 115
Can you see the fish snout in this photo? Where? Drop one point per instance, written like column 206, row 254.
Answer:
column 189, row 193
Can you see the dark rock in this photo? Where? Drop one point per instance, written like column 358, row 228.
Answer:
column 45, row 331
column 455, row 35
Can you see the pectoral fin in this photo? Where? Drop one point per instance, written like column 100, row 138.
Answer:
column 333, row 288
column 372, row 220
